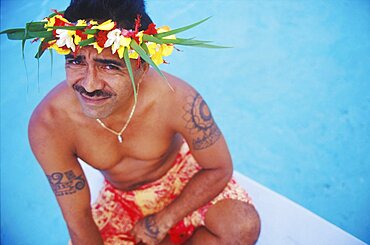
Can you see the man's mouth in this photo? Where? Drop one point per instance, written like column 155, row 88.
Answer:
column 96, row 97
column 93, row 99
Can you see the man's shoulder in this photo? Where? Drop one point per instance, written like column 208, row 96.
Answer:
column 173, row 96
column 174, row 90
column 52, row 109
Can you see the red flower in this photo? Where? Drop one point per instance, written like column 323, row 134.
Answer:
column 151, row 29
column 101, row 38
column 137, row 23
column 81, row 34
column 59, row 22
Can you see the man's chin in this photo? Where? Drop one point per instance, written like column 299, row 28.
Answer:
column 95, row 114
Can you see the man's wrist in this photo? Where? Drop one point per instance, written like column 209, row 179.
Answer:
column 166, row 219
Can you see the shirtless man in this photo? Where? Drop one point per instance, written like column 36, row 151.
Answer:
column 63, row 128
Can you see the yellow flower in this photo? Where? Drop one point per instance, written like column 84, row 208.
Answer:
column 140, row 35
column 120, row 51
column 81, row 23
column 166, row 29
column 93, row 22
column 132, row 54
column 77, row 39
column 95, row 44
column 166, row 49
column 59, row 50
column 124, row 42
column 157, row 51
column 97, row 47
column 105, row 26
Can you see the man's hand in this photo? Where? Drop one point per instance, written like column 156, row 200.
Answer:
column 150, row 230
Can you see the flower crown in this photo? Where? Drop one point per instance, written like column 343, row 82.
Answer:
column 65, row 37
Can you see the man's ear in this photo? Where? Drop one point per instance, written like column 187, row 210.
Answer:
column 145, row 67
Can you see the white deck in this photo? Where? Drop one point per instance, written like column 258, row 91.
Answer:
column 283, row 221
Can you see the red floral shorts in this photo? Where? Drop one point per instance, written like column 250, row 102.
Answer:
column 116, row 212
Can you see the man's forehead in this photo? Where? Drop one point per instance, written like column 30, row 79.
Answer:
column 89, row 53
column 93, row 53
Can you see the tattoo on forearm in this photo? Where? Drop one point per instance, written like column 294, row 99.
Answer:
column 151, row 228
column 66, row 183
column 200, row 122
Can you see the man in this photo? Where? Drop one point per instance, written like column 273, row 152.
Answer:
column 156, row 191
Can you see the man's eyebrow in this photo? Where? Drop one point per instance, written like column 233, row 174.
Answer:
column 71, row 56
column 109, row 61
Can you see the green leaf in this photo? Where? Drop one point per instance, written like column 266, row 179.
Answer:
column 38, row 74
column 190, row 39
column 40, row 51
column 178, row 30
column 72, row 28
column 12, row 30
column 205, row 45
column 87, row 41
column 151, row 39
column 23, row 46
column 15, row 34
column 129, row 68
column 39, row 34
column 180, row 41
column 24, row 61
column 192, row 42
column 143, row 55
column 91, row 31
column 36, row 26
column 51, row 63
column 143, row 45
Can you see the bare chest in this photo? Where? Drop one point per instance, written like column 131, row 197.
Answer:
column 145, row 154
column 102, row 149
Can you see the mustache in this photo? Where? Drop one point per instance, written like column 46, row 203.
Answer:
column 97, row 93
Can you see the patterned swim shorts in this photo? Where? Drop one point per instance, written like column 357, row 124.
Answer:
column 116, row 212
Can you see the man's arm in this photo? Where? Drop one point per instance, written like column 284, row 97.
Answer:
column 53, row 151
column 209, row 149
column 193, row 119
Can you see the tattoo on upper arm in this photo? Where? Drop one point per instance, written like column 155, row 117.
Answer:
column 200, row 122
column 66, row 183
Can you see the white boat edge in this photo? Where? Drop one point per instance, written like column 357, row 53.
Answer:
column 284, row 222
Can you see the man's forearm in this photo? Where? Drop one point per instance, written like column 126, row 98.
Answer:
column 201, row 189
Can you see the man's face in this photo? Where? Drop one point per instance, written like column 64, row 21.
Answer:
column 101, row 81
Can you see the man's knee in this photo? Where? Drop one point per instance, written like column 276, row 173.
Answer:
column 251, row 225
column 234, row 222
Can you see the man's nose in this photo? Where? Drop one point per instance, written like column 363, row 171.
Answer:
column 91, row 82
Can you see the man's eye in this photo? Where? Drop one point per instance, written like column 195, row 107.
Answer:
column 74, row 62
column 111, row 67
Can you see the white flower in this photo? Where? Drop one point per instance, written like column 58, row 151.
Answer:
column 116, row 40
column 65, row 38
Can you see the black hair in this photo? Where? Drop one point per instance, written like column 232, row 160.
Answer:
column 124, row 12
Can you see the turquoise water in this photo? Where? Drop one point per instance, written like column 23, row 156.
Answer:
column 292, row 98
